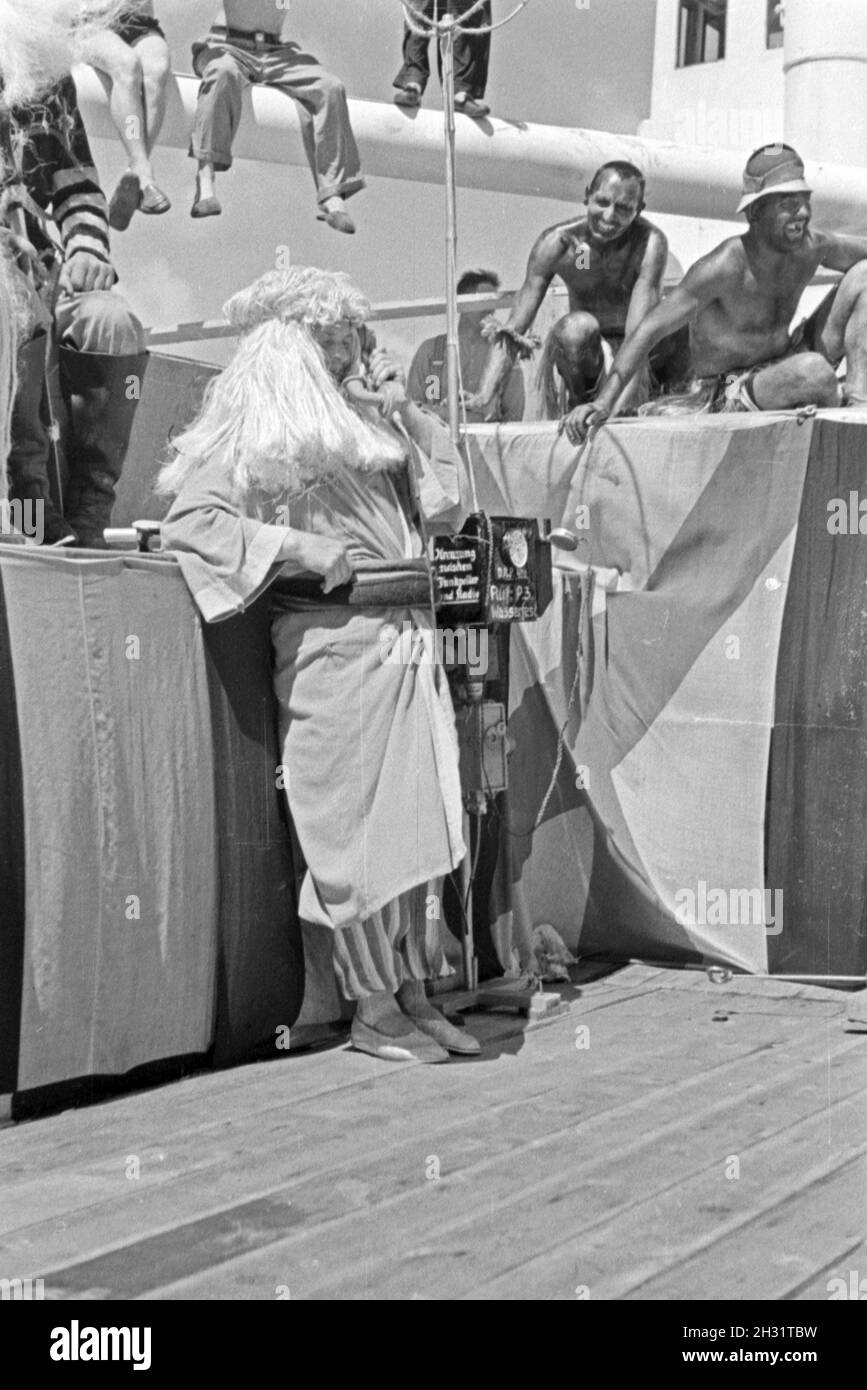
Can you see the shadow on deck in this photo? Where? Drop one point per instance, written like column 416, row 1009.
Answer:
column 665, row 1138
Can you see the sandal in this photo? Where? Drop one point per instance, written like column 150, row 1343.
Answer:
column 471, row 106
column 408, row 96
column 153, row 200
column 338, row 218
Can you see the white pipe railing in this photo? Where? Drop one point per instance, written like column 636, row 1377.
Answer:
column 379, row 313
column 497, row 155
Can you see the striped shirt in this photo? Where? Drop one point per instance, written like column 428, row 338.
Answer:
column 58, row 172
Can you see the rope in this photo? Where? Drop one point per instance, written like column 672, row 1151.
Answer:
column 427, row 26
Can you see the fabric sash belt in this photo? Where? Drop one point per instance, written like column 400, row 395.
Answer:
column 375, row 585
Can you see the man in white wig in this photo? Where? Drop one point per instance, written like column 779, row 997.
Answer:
column 288, row 479
column 51, row 194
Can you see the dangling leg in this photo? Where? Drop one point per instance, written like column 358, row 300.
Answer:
column 153, row 54
column 414, row 75
column 472, row 53
column 218, row 112
column 120, row 72
column 328, row 139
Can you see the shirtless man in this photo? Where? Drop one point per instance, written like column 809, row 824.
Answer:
column 740, row 300
column 247, row 45
column 612, row 261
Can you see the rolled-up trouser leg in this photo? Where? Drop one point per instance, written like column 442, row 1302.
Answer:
column 329, row 142
column 416, row 60
column 30, row 456
column 400, row 942
column 102, row 394
column 472, row 51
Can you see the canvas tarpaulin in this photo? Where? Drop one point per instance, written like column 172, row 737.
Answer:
column 147, row 908
column 711, row 683
column 678, row 658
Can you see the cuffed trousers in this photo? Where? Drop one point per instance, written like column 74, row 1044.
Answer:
column 472, row 51
column 401, row 942
column 226, row 67
column 99, row 321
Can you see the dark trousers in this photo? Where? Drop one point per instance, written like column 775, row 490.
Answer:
column 472, row 51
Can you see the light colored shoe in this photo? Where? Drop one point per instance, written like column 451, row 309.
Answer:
column 409, row 1047
column 337, row 217
column 409, row 96
column 206, row 207
column 471, row 106
column 453, row 1039
column 153, row 200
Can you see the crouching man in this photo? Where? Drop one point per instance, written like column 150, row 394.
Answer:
column 739, row 302
column 53, row 192
column 612, row 260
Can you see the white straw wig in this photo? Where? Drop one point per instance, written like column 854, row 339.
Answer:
column 275, row 411
column 304, row 294
column 41, row 39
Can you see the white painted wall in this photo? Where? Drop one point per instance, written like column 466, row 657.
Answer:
column 826, row 79
column 736, row 103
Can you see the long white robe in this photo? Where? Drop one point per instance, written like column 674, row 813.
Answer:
column 369, row 749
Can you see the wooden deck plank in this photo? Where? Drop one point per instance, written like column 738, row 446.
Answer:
column 145, row 1119
column 492, row 1183
column 675, row 1238
column 452, row 1261
column 848, row 1265
column 54, row 1140
column 319, row 1136
column 25, row 1174
column 232, row 1185
column 788, row 1244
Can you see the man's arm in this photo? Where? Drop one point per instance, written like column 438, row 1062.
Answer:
column 512, row 400
column 646, row 295
column 59, row 174
column 840, row 252
column 698, row 288
column 541, row 268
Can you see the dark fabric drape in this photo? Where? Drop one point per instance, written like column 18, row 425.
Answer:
column 11, row 866
column 260, row 965
column 817, row 811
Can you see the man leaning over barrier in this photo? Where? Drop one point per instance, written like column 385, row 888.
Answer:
column 739, row 302
column 612, row 261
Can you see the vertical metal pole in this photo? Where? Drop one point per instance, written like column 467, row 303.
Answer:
column 446, row 39
column 447, row 48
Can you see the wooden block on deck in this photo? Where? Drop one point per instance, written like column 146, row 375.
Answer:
column 532, row 1003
